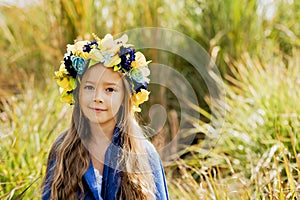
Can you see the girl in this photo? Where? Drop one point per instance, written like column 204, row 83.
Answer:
column 104, row 154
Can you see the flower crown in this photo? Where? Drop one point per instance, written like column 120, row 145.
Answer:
column 112, row 53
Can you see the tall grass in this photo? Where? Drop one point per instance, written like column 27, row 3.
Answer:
column 34, row 38
column 30, row 122
column 257, row 154
column 232, row 26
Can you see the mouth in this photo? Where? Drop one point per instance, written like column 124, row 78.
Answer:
column 98, row 110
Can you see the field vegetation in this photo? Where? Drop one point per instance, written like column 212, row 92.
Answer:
column 254, row 154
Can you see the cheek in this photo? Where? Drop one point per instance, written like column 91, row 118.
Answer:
column 116, row 101
column 85, row 98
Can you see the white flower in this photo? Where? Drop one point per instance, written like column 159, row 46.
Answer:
column 78, row 46
column 109, row 59
column 122, row 40
column 140, row 60
column 107, row 43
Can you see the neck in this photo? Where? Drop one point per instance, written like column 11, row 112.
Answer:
column 102, row 133
column 101, row 136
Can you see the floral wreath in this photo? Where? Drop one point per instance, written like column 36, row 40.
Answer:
column 112, row 53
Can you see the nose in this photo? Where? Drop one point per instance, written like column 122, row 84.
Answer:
column 98, row 97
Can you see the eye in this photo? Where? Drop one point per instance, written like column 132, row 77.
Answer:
column 110, row 89
column 88, row 87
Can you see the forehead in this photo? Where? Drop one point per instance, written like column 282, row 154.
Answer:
column 99, row 74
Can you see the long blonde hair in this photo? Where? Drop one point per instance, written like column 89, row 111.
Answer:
column 72, row 157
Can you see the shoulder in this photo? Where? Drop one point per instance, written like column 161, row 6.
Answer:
column 158, row 172
column 153, row 155
column 150, row 147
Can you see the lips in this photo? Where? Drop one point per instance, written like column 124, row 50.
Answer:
column 98, row 109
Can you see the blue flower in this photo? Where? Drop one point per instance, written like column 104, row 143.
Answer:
column 107, row 56
column 78, row 64
column 88, row 47
column 139, row 86
column 127, row 56
column 137, row 75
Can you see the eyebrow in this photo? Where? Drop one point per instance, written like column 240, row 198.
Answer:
column 111, row 83
column 91, row 82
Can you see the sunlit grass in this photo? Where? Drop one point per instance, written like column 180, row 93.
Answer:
column 257, row 154
column 29, row 124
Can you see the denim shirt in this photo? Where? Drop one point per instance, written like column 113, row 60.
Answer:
column 111, row 177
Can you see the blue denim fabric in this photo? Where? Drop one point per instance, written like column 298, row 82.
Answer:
column 111, row 174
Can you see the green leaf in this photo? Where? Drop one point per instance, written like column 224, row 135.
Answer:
column 92, row 62
column 72, row 83
column 117, row 68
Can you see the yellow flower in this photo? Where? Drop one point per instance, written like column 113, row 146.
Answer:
column 62, row 67
column 59, row 74
column 63, row 83
column 139, row 98
column 81, row 54
column 66, row 83
column 67, row 98
column 62, row 71
column 136, row 109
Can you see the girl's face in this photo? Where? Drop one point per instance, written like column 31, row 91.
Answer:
column 101, row 95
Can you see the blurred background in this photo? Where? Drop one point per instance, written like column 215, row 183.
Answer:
column 255, row 45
